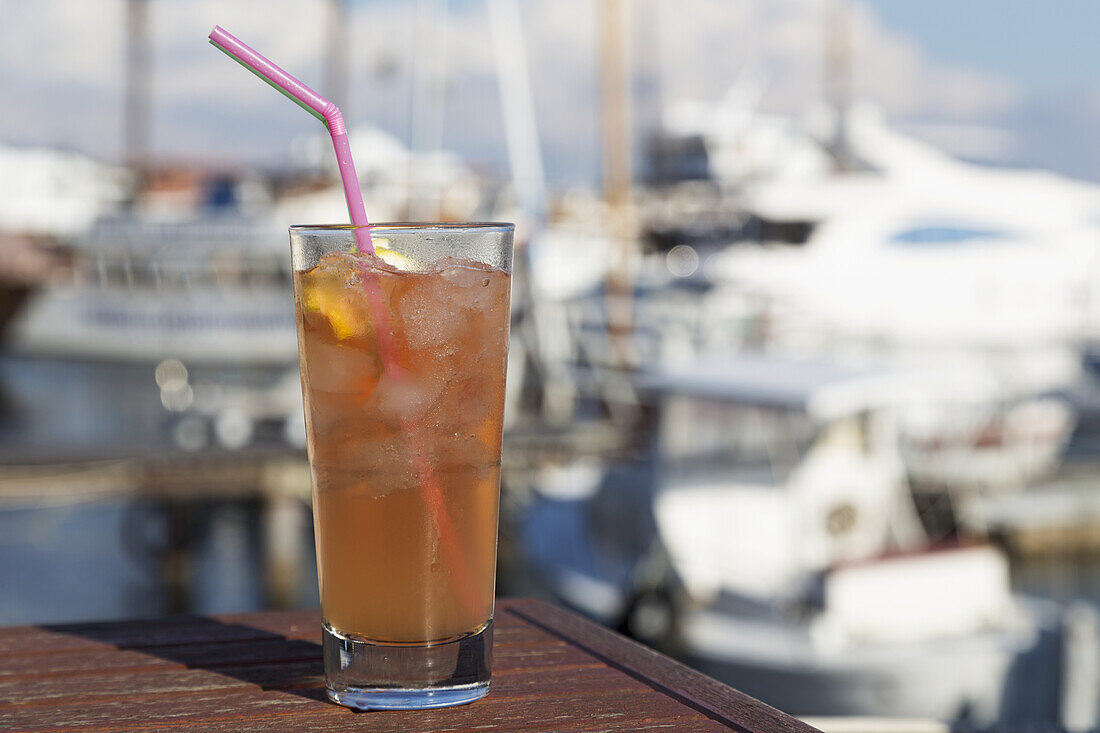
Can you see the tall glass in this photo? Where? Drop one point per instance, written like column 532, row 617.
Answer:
column 403, row 359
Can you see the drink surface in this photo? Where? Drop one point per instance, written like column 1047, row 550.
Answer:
column 404, row 439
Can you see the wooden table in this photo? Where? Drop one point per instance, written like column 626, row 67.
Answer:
column 553, row 671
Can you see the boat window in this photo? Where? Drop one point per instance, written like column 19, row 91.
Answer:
column 759, row 229
column 945, row 234
column 747, row 443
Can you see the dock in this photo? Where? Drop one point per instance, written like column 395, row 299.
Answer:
column 1057, row 519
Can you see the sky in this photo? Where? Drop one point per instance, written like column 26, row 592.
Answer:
column 952, row 71
column 1046, row 51
column 1035, row 44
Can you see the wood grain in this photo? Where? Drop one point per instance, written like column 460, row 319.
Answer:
column 553, row 671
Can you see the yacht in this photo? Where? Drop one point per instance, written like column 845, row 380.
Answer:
column 210, row 291
column 887, row 249
column 786, row 555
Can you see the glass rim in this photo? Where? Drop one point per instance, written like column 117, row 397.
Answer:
column 499, row 226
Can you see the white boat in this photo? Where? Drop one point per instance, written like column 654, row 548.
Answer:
column 215, row 291
column 788, row 560
column 47, row 196
column 54, row 193
column 783, row 508
column 788, row 466
column 173, row 281
column 400, row 184
column 987, row 448
column 909, row 256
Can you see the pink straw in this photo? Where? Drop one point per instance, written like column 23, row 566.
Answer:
column 316, row 105
column 328, row 113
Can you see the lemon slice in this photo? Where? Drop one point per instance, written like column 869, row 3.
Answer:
column 345, row 318
column 391, row 258
column 326, row 292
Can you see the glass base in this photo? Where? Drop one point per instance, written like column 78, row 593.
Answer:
column 370, row 675
column 408, row 699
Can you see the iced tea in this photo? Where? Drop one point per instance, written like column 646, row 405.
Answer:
column 403, row 377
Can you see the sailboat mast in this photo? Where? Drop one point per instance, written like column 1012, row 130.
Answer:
column 518, row 109
column 837, row 83
column 429, row 70
column 614, row 103
column 617, row 174
column 135, row 141
column 336, row 55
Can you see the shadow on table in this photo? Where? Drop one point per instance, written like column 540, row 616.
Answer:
column 246, row 653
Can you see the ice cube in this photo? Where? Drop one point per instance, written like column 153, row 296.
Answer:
column 431, row 315
column 471, row 399
column 402, row 398
column 473, row 284
column 340, row 369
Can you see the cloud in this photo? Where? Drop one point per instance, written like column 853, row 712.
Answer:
column 60, row 43
column 705, row 43
column 891, row 70
column 63, row 61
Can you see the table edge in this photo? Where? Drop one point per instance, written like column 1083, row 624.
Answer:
column 714, row 699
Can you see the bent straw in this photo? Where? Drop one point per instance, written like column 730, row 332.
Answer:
column 317, row 106
column 328, row 113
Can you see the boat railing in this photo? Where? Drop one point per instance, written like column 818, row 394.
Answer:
column 122, row 270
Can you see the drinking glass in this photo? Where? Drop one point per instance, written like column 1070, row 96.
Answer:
column 403, row 357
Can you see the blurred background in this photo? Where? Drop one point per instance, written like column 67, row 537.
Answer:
column 806, row 330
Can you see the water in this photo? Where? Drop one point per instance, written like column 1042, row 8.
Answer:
column 66, row 559
column 70, row 562
column 1064, row 579
column 106, row 559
